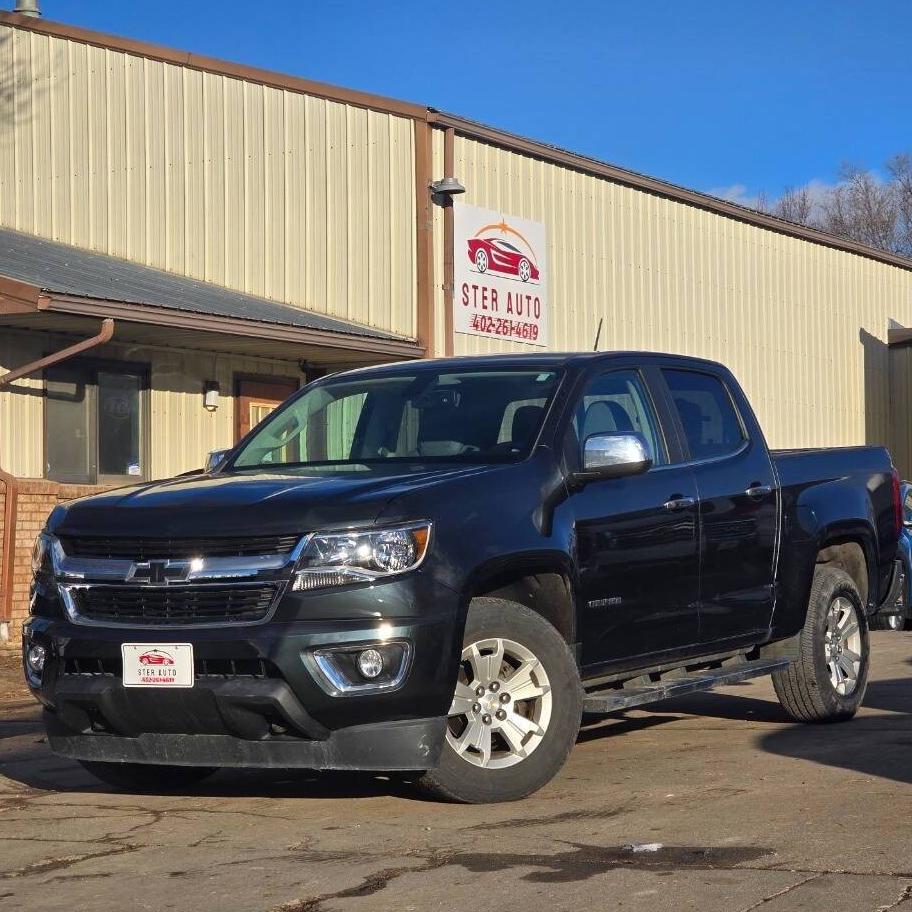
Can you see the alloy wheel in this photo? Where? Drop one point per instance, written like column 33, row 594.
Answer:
column 843, row 646
column 502, row 706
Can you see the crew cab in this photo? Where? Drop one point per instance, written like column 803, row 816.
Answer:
column 438, row 566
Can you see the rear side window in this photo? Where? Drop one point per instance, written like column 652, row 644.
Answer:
column 704, row 405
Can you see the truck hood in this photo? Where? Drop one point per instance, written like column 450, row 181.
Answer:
column 246, row 504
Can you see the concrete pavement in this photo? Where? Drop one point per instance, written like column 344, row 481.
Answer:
column 713, row 802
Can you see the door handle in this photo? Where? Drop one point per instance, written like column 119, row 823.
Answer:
column 679, row 503
column 756, row 491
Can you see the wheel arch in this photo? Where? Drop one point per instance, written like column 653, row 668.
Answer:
column 852, row 553
column 542, row 583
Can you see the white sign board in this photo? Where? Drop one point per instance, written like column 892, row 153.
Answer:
column 500, row 276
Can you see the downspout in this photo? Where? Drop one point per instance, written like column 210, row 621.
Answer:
column 11, row 483
column 449, row 284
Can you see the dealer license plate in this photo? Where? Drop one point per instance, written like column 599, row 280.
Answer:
column 157, row 664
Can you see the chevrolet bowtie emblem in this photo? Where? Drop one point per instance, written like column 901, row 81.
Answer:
column 159, row 572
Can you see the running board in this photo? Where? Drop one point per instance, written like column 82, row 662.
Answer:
column 675, row 684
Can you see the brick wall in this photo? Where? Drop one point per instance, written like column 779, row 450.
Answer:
column 36, row 500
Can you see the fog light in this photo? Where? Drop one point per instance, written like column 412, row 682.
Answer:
column 366, row 668
column 35, row 657
column 370, row 663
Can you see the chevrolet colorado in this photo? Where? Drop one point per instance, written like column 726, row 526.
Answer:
column 439, row 566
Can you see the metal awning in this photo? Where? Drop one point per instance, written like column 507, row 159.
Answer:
column 57, row 288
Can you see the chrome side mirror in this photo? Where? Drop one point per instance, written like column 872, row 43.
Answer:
column 215, row 459
column 614, row 456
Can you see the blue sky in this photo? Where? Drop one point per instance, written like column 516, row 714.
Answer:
column 712, row 95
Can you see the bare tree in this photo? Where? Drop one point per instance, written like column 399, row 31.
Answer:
column 862, row 206
column 795, row 205
column 900, row 170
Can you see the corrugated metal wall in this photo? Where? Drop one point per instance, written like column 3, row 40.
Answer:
column 270, row 192
column 803, row 326
column 901, row 408
column 21, row 407
column 182, row 431
column 312, row 202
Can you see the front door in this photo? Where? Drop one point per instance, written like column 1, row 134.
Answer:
column 636, row 537
column 738, row 505
column 256, row 398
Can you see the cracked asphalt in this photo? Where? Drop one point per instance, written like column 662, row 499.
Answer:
column 713, row 802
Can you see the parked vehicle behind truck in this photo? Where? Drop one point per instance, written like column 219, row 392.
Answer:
column 438, row 566
column 897, row 614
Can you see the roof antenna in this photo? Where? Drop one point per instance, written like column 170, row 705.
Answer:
column 598, row 333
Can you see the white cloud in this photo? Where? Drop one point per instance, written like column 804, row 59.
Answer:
column 736, row 193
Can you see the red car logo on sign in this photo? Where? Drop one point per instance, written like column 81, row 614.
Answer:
column 156, row 657
column 495, row 254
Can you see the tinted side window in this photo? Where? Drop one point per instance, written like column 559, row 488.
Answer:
column 617, row 403
column 704, row 405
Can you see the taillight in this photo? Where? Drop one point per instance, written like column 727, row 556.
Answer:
column 897, row 503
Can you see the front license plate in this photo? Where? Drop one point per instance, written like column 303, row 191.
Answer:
column 157, row 664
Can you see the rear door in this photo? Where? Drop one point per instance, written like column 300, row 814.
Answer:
column 636, row 536
column 736, row 486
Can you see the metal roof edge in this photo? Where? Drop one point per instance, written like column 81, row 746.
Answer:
column 462, row 125
column 513, row 142
column 216, row 65
column 161, row 315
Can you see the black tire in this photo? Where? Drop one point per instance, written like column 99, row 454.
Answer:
column 881, row 621
column 457, row 779
column 147, row 777
column 805, row 689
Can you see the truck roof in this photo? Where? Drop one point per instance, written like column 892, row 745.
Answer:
column 531, row 360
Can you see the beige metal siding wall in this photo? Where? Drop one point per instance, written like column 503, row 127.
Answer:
column 182, row 431
column 802, row 326
column 21, row 407
column 271, row 192
column 901, row 408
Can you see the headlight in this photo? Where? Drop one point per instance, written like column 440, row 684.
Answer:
column 356, row 557
column 43, row 554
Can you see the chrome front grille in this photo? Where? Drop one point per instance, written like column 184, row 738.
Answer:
column 155, row 582
column 144, row 549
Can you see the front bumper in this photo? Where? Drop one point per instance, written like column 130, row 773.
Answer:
column 256, row 700
column 407, row 744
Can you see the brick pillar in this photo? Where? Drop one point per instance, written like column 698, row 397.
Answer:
column 36, row 500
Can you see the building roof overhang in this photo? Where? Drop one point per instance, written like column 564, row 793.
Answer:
column 66, row 287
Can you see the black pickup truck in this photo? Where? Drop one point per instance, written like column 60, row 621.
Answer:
column 439, row 566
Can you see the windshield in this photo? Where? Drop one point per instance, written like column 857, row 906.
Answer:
column 473, row 416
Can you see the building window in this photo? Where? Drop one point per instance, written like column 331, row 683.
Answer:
column 94, row 428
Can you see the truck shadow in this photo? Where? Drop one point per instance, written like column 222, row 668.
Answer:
column 871, row 744
column 876, row 743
